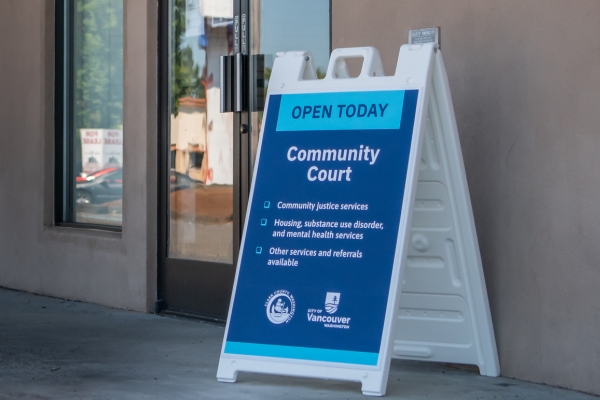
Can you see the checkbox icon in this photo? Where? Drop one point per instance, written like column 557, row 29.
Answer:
column 267, row 204
column 263, row 222
column 259, row 250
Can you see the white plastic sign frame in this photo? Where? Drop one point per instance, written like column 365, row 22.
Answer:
column 294, row 73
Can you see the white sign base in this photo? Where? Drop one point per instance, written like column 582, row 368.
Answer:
column 373, row 382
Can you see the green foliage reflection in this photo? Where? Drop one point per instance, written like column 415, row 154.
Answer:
column 98, row 64
column 185, row 76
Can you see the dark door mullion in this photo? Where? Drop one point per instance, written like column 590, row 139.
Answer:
column 163, row 152
column 241, row 124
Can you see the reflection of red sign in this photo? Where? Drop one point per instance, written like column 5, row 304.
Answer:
column 91, row 141
column 209, row 176
column 91, row 137
column 113, row 137
column 112, row 141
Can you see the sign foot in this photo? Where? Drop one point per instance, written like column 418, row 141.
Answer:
column 226, row 373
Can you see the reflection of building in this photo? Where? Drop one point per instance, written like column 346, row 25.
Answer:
column 188, row 138
column 202, row 140
column 200, row 217
column 219, row 141
column 201, row 137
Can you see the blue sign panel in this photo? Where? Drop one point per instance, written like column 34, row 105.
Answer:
column 317, row 258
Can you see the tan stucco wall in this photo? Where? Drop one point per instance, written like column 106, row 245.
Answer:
column 116, row 269
column 525, row 80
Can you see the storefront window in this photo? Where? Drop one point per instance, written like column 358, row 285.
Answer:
column 91, row 130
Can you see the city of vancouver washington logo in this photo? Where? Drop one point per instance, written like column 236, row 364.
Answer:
column 332, row 300
column 280, row 307
column 328, row 319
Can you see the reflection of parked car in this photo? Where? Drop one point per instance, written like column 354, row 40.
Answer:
column 100, row 187
column 178, row 181
column 89, row 177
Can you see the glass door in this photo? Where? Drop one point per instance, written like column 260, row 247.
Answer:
column 207, row 155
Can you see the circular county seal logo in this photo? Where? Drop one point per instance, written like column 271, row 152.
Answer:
column 280, row 307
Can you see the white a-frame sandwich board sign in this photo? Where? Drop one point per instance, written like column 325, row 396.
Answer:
column 328, row 233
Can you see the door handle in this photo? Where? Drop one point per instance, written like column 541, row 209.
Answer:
column 234, row 85
column 240, row 102
column 226, row 84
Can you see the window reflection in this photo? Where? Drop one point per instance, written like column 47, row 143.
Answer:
column 97, row 113
column 201, row 156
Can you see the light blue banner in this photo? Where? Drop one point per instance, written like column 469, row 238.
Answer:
column 341, row 111
column 301, row 353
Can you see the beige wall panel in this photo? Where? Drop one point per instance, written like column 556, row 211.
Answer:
column 115, row 269
column 525, row 80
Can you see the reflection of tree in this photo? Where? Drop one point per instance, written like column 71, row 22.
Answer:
column 185, row 77
column 97, row 68
column 98, row 64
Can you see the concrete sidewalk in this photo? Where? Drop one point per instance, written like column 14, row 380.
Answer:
column 57, row 349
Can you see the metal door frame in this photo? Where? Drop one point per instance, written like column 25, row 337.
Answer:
column 175, row 277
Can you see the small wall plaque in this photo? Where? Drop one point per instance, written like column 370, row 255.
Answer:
column 425, row 35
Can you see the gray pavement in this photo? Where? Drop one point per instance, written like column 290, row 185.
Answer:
column 57, row 349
